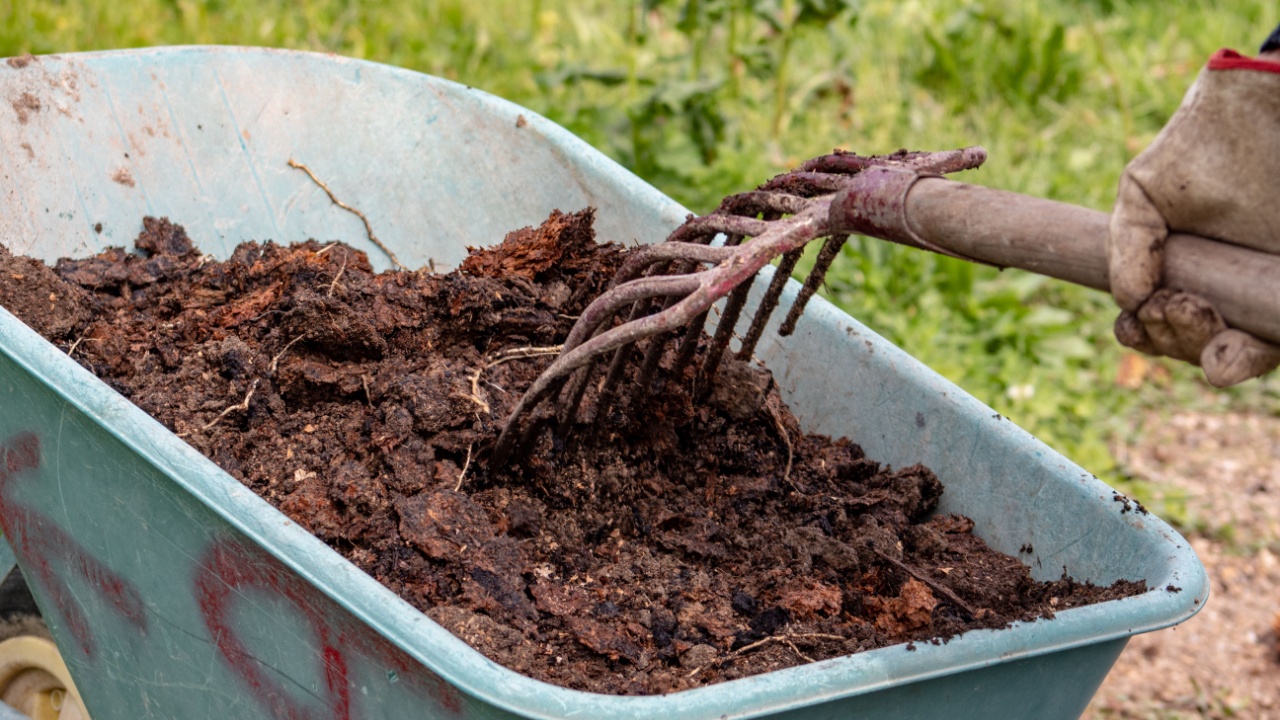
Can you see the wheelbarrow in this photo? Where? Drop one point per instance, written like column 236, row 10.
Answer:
column 172, row 591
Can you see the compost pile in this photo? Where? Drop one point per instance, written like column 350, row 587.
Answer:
column 671, row 544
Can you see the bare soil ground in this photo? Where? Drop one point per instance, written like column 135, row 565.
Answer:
column 1224, row 662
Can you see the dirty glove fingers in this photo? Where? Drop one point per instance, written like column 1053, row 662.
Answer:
column 1178, row 324
column 1194, row 322
column 1187, row 327
column 1135, row 245
column 1150, row 315
column 1210, row 172
column 1131, row 333
column 1172, row 323
column 1233, row 356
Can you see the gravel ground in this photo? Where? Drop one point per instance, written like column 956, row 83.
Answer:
column 1224, row 662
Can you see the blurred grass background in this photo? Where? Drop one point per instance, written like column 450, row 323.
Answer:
column 703, row 98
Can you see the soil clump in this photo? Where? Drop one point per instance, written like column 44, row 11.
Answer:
column 670, row 544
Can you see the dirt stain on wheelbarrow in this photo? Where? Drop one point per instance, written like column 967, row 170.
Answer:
column 663, row 546
column 122, row 176
column 25, row 105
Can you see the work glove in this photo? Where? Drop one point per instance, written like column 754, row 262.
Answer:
column 1213, row 171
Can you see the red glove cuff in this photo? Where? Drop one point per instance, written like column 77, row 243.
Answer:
column 1226, row 59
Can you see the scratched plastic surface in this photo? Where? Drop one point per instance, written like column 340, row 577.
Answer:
column 173, row 592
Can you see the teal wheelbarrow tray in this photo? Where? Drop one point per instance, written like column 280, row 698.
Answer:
column 174, row 592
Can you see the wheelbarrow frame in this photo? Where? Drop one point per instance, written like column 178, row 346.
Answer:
column 173, row 591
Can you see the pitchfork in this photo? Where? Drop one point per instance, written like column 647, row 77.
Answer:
column 666, row 293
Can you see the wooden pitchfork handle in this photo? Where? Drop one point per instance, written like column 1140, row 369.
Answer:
column 1060, row 240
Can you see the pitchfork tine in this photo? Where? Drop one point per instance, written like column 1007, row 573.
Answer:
column 602, row 311
column 652, row 356
column 577, row 388
column 724, row 333
column 622, row 354
column 759, row 201
column 830, row 249
column 616, row 367
column 709, row 226
column 685, row 298
column 688, row 344
column 693, row 333
column 689, row 255
column 769, row 302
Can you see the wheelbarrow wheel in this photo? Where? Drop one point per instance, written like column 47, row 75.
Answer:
column 35, row 681
column 19, row 614
column 33, row 678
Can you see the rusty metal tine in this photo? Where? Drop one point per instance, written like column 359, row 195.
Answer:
column 826, row 256
column 690, row 260
column 532, row 428
column 769, row 302
column 587, row 345
column 605, row 307
column 642, row 259
column 683, row 300
column 813, row 183
column 652, row 356
column 655, row 264
column 759, row 201
column 946, row 161
column 578, row 381
column 638, row 310
column 693, row 333
column 609, row 389
column 942, row 163
column 617, row 366
column 688, row 344
column 845, row 163
column 640, row 386
column 715, row 224
column 724, row 328
column 724, row 332
column 577, row 385
column 656, row 259
column 639, row 263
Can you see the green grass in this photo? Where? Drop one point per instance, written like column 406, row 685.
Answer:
column 708, row 97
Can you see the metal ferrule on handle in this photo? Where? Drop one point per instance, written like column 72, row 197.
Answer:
column 1060, row 240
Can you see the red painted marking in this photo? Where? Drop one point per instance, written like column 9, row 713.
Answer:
column 226, row 571
column 1227, row 59
column 21, row 452
column 229, row 568
column 47, row 550
column 335, row 678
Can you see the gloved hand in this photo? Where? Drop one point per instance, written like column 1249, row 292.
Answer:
column 1213, row 171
